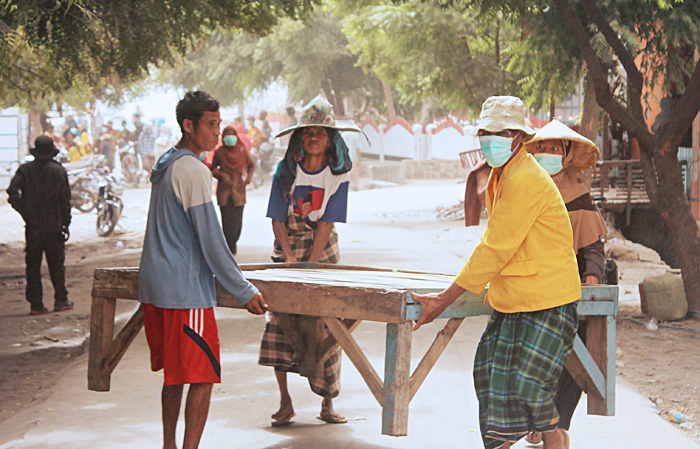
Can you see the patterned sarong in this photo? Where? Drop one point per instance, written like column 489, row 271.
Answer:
column 276, row 350
column 516, row 369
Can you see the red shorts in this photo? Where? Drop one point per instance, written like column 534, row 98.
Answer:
column 184, row 343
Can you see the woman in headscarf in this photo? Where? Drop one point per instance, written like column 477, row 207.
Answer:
column 233, row 168
column 308, row 195
column 566, row 155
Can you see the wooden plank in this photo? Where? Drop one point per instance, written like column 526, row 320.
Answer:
column 116, row 283
column 330, row 344
column 102, row 313
column 357, row 357
column 397, row 374
column 468, row 304
column 584, row 370
column 299, row 298
column 433, row 354
column 126, row 336
column 600, row 337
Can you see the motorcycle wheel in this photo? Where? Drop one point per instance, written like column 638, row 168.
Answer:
column 106, row 221
column 85, row 201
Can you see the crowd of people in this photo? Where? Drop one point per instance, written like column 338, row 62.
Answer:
column 74, row 140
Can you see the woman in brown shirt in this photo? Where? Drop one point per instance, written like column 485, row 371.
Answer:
column 233, row 168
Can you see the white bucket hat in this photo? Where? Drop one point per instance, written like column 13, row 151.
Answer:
column 319, row 112
column 499, row 113
column 584, row 152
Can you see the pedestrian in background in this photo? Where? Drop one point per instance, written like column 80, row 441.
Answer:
column 233, row 168
column 40, row 192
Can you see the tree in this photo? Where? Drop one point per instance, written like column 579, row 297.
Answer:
column 666, row 38
column 423, row 50
column 309, row 57
column 46, row 45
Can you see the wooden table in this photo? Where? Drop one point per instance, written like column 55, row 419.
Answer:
column 343, row 296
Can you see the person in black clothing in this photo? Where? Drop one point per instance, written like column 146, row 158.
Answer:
column 40, row 192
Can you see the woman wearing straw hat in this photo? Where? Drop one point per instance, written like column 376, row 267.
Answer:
column 234, row 169
column 526, row 255
column 309, row 193
column 565, row 155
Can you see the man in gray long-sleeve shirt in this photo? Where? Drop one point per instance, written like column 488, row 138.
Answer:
column 184, row 248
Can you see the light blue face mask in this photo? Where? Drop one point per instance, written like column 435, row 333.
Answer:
column 230, row 141
column 552, row 163
column 496, row 149
column 202, row 156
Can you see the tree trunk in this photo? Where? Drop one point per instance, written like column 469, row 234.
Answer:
column 591, row 113
column 669, row 199
column 35, row 129
column 426, row 112
column 589, row 120
column 552, row 106
column 391, row 111
column 339, row 105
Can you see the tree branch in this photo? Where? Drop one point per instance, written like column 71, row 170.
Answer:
column 635, row 125
column 5, row 28
column 683, row 113
column 634, row 76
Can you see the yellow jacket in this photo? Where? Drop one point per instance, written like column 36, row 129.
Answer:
column 526, row 252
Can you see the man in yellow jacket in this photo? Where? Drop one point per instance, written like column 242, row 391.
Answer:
column 527, row 258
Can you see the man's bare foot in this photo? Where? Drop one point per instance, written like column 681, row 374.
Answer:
column 556, row 439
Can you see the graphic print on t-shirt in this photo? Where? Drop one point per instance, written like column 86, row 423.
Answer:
column 307, row 199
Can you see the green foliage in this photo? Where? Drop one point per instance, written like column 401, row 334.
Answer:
column 308, row 57
column 114, row 42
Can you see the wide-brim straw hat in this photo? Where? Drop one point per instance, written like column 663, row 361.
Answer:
column 503, row 112
column 319, row 112
column 585, row 152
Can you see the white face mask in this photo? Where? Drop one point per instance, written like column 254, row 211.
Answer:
column 496, row 149
column 552, row 163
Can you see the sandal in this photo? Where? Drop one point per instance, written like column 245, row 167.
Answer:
column 283, row 420
column 332, row 418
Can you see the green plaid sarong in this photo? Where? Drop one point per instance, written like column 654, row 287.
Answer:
column 518, row 363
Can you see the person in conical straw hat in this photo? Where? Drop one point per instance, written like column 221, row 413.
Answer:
column 526, row 256
column 309, row 194
column 567, row 155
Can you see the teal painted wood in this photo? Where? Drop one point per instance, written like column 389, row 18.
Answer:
column 598, row 300
column 397, row 361
column 610, row 379
column 589, row 364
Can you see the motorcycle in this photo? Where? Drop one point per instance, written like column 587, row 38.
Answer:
column 109, row 204
column 266, row 161
column 131, row 164
column 83, row 178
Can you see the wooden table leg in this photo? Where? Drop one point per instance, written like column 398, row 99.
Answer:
column 397, row 379
column 101, row 333
column 600, row 341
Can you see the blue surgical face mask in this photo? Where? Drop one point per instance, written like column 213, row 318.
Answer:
column 496, row 149
column 74, row 131
column 552, row 163
column 230, row 141
column 202, row 156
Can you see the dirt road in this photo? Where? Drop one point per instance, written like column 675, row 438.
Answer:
column 44, row 402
